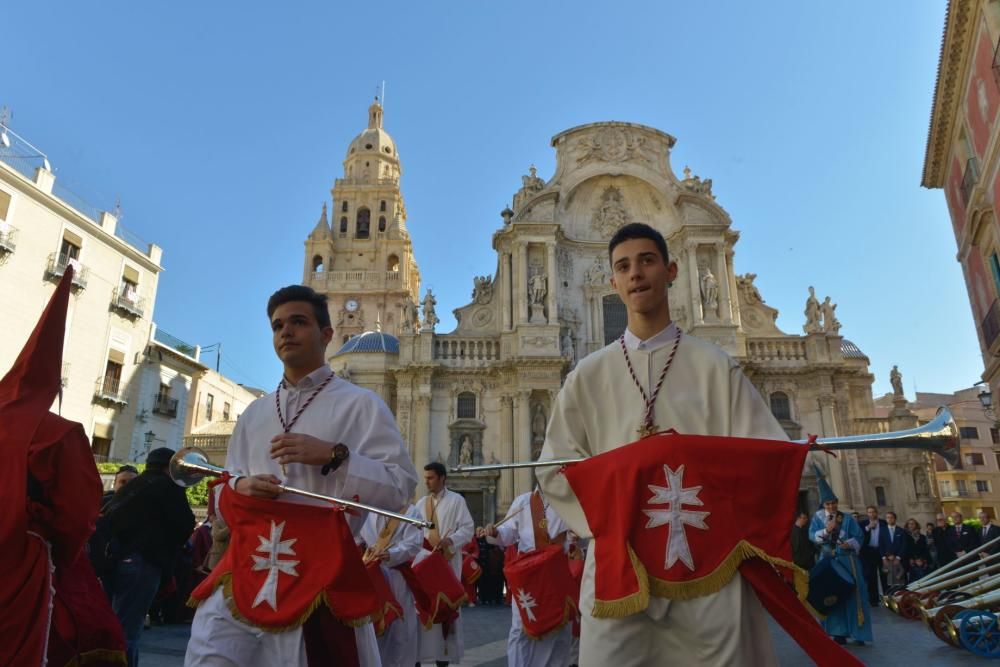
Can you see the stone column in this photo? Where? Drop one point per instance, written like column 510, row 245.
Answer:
column 828, row 420
column 691, row 251
column 522, row 440
column 422, row 432
column 550, row 259
column 734, row 296
column 521, row 284
column 506, row 454
column 722, row 278
column 502, row 289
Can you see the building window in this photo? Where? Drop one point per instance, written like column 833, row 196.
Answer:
column 974, row 459
column 995, row 270
column 945, row 486
column 111, row 382
column 982, row 486
column 968, row 432
column 381, row 223
column 225, row 411
column 101, row 442
column 381, row 206
column 317, row 264
column 962, row 486
column 466, row 405
column 343, row 225
column 880, row 496
column 361, row 229
column 615, row 318
column 781, row 407
column 70, row 248
column 343, row 207
column 392, row 264
column 209, row 404
column 995, row 435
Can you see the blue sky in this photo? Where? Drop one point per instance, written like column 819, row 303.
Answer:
column 221, row 127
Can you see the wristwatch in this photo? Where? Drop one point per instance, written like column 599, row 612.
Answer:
column 337, row 456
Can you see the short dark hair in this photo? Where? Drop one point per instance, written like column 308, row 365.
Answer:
column 872, row 507
column 301, row 293
column 892, row 513
column 126, row 468
column 639, row 230
column 437, row 468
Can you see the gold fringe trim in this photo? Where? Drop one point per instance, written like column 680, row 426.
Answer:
column 441, row 597
column 694, row 588
column 98, row 656
column 569, row 613
column 226, row 581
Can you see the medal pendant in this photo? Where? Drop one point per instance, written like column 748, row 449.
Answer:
column 647, row 430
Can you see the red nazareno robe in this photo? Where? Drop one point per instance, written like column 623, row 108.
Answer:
column 52, row 607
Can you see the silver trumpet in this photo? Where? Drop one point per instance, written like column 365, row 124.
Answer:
column 938, row 436
column 190, row 465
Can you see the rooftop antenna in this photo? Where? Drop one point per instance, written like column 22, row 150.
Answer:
column 382, row 97
column 117, row 212
column 5, row 117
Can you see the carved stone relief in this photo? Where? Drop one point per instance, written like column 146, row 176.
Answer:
column 610, row 213
column 612, row 144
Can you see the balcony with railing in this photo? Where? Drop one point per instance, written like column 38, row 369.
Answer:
column 128, row 302
column 8, row 238
column 963, row 493
column 110, row 390
column 466, row 352
column 56, row 267
column 969, row 178
column 165, row 406
column 371, row 279
column 776, row 349
column 381, row 182
column 161, row 336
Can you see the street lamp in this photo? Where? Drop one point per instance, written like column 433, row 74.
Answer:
column 986, row 399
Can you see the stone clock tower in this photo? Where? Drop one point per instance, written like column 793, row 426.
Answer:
column 360, row 254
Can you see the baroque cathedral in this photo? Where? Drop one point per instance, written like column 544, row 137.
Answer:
column 483, row 392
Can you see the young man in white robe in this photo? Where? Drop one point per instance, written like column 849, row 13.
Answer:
column 553, row 650
column 453, row 527
column 601, row 407
column 324, row 423
column 399, row 643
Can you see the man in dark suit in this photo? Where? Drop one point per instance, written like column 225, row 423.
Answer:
column 892, row 547
column 871, row 555
column 961, row 538
column 988, row 532
column 945, row 554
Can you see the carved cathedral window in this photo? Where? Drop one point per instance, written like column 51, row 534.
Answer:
column 361, row 229
column 466, row 408
column 781, row 406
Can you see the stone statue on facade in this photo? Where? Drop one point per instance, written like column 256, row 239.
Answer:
column 531, row 181
column 465, row 451
column 896, row 380
column 813, row 314
column 568, row 349
column 694, row 184
column 610, row 213
column 537, row 291
column 430, row 317
column 709, row 291
column 748, row 290
column 344, row 373
column 596, row 274
column 920, row 485
column 410, row 318
column 830, row 322
column 482, row 290
column 538, row 423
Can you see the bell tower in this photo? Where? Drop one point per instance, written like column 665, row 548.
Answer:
column 361, row 256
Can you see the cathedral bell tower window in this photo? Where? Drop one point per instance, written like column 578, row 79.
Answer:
column 317, row 264
column 381, row 206
column 343, row 225
column 362, row 228
column 343, row 207
column 381, row 223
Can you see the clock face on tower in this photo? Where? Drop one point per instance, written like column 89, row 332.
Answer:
column 351, row 305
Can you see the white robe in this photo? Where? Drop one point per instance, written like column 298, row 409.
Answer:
column 398, row 644
column 454, row 522
column 599, row 408
column 378, row 471
column 522, row 650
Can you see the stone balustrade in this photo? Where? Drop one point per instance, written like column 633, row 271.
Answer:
column 776, row 349
column 466, row 352
column 370, row 279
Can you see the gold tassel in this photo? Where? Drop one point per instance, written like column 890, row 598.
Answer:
column 98, row 655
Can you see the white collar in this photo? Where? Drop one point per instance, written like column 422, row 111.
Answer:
column 665, row 336
column 314, row 379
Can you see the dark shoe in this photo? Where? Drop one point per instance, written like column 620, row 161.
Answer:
column 840, row 640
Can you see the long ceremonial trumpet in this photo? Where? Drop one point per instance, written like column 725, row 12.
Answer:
column 189, row 465
column 939, row 436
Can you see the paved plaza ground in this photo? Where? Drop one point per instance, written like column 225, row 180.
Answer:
column 897, row 642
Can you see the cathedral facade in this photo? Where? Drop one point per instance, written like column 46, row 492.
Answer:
column 483, row 392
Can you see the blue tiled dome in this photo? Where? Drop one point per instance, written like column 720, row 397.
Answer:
column 371, row 341
column 851, row 351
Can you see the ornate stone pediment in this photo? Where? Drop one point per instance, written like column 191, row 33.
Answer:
column 612, row 144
